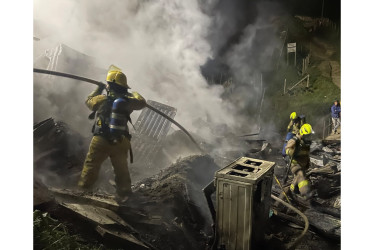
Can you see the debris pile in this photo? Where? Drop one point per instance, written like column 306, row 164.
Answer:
column 58, row 152
column 166, row 211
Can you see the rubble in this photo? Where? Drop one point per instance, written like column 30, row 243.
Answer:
column 58, row 151
column 326, row 170
column 337, row 203
column 101, row 200
column 327, row 149
column 108, row 224
column 315, row 147
column 316, row 161
column 325, row 224
column 168, row 209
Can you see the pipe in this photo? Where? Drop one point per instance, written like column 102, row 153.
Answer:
column 298, row 239
column 84, row 79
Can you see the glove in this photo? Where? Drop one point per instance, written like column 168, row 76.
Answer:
column 97, row 91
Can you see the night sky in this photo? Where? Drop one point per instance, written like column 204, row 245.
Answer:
column 313, row 8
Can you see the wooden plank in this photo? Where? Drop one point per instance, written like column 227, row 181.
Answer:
column 66, row 195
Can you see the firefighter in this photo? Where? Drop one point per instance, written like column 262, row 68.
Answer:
column 292, row 129
column 295, row 123
column 298, row 150
column 111, row 136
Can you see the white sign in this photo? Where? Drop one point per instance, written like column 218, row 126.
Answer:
column 291, row 47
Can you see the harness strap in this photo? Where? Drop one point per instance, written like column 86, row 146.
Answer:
column 131, row 155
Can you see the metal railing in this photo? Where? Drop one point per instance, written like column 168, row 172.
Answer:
column 326, row 129
column 302, row 79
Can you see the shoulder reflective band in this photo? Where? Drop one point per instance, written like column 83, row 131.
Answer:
column 292, row 187
column 303, row 183
column 294, row 161
column 117, row 127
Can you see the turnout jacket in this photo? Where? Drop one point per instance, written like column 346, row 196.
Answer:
column 299, row 150
column 295, row 125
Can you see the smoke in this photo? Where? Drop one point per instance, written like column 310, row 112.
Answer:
column 246, row 49
column 161, row 46
column 157, row 44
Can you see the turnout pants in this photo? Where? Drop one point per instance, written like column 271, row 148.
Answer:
column 299, row 181
column 100, row 149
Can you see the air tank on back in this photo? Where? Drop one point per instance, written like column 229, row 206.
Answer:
column 118, row 118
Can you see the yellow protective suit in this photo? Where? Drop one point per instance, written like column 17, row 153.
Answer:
column 102, row 146
column 299, row 151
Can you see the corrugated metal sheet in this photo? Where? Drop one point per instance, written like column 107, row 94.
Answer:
column 151, row 128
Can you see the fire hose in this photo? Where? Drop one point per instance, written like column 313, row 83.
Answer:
column 84, row 79
column 298, row 239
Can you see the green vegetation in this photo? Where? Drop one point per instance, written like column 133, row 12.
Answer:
column 50, row 234
column 314, row 101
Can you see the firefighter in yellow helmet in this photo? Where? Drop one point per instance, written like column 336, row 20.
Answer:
column 298, row 150
column 295, row 123
column 111, row 136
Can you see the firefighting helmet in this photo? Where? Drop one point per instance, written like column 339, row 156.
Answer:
column 306, row 129
column 115, row 75
column 293, row 115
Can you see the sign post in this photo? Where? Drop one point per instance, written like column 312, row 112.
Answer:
column 291, row 48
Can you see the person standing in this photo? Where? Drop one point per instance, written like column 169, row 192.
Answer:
column 335, row 115
column 111, row 137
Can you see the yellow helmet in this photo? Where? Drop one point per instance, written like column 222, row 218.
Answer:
column 306, row 129
column 293, row 115
column 115, row 75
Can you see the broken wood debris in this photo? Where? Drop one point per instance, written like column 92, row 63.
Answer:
column 105, row 201
column 108, row 224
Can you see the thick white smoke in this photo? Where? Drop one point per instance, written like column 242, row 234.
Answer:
column 160, row 46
